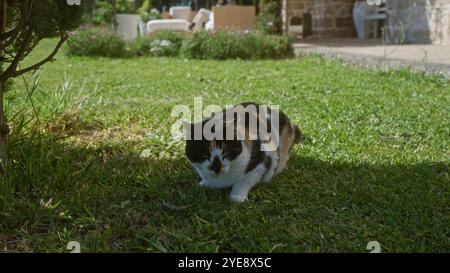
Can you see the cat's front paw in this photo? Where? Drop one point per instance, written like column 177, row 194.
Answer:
column 202, row 183
column 238, row 198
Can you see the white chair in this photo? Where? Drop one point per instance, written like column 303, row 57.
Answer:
column 199, row 21
column 179, row 21
column 366, row 18
column 183, row 13
column 295, row 26
column 170, row 24
column 372, row 19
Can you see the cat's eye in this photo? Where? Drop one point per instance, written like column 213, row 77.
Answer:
column 225, row 155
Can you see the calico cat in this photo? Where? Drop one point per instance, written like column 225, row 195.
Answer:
column 242, row 161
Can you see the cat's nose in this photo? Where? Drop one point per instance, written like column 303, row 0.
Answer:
column 216, row 165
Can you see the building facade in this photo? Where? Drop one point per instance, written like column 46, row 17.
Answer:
column 409, row 21
column 419, row 21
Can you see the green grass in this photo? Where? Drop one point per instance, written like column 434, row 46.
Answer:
column 374, row 166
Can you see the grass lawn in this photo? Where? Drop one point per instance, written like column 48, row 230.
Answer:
column 99, row 167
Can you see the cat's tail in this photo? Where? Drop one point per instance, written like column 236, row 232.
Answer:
column 298, row 135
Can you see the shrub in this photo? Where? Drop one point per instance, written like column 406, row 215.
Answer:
column 125, row 6
column 147, row 13
column 217, row 45
column 162, row 43
column 269, row 18
column 263, row 46
column 223, row 45
column 102, row 13
column 97, row 42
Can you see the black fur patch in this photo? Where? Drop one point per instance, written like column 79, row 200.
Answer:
column 231, row 149
column 199, row 150
column 216, row 166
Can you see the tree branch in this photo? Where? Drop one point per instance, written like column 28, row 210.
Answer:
column 50, row 58
column 7, row 38
column 6, row 35
column 8, row 73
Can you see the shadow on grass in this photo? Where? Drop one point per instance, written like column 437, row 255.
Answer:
column 376, row 183
column 112, row 199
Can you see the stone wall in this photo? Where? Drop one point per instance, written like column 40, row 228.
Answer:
column 410, row 21
column 333, row 18
column 294, row 8
column 419, row 21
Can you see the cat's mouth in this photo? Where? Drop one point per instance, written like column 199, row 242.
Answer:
column 221, row 172
column 215, row 174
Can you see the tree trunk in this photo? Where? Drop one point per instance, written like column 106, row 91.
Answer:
column 4, row 132
column 90, row 8
column 4, row 129
column 114, row 12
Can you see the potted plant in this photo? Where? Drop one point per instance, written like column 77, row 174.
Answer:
column 126, row 20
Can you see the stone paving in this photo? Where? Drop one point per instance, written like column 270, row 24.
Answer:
column 432, row 59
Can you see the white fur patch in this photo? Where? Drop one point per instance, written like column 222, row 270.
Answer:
column 233, row 172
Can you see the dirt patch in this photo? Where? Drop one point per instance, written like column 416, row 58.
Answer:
column 71, row 125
